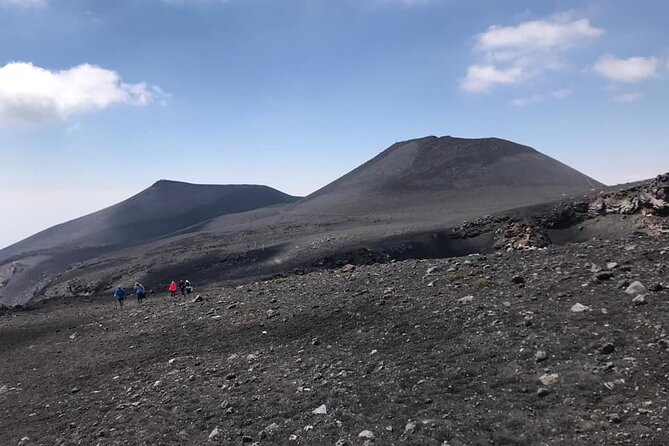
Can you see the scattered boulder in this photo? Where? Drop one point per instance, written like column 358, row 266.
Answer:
column 579, row 308
column 320, row 410
column 466, row 299
column 197, row 299
column 540, row 356
column 542, row 392
column 605, row 275
column 270, row 431
column 635, row 288
column 614, row 418
column 431, row 270
column 640, row 300
column 656, row 287
column 366, row 434
column 607, row 349
column 548, row 379
column 215, row 435
column 518, row 280
column 410, row 427
column 348, row 268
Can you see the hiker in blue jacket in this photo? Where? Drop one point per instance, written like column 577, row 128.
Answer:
column 120, row 294
column 139, row 292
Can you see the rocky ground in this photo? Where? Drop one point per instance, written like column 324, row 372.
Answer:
column 547, row 346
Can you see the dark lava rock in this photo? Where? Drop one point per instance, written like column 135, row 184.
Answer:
column 518, row 280
column 656, row 287
column 542, row 392
column 605, row 275
column 614, row 418
column 607, row 349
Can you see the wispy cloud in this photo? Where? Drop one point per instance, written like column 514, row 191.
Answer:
column 23, row 4
column 539, row 98
column 534, row 99
column 513, row 54
column 628, row 97
column 561, row 93
column 633, row 69
column 33, row 95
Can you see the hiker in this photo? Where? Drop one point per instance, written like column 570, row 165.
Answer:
column 120, row 294
column 139, row 292
column 189, row 287
column 173, row 289
column 182, row 287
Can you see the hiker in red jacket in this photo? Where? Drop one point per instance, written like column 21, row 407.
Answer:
column 173, row 289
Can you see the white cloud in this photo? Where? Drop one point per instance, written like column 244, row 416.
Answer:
column 561, row 93
column 24, row 4
column 628, row 97
column 522, row 102
column 525, row 51
column 34, row 95
column 633, row 69
column 538, row 35
column 482, row 77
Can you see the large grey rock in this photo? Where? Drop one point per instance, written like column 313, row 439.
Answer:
column 320, row 410
column 579, row 308
column 215, row 435
column 366, row 434
column 548, row 379
column 635, row 288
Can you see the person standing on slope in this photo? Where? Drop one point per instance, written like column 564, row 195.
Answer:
column 120, row 295
column 139, row 292
column 182, row 287
column 173, row 289
column 189, row 286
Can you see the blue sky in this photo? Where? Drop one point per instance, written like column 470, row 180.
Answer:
column 100, row 99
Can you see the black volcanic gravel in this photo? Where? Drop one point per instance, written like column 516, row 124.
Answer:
column 445, row 357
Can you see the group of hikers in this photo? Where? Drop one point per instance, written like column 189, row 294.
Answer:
column 184, row 285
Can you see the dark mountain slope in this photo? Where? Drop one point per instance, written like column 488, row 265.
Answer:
column 424, row 186
column 163, row 208
column 448, row 174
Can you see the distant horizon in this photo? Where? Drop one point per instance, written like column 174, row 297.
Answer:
column 97, row 99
